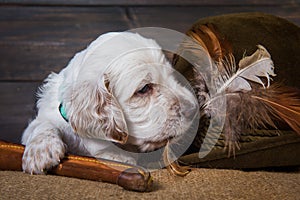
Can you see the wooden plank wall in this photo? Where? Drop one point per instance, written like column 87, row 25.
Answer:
column 40, row 36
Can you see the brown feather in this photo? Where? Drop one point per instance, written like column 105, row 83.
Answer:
column 217, row 46
column 208, row 37
column 285, row 102
column 198, row 39
column 211, row 42
column 258, row 109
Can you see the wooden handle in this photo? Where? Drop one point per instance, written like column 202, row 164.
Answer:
column 127, row 176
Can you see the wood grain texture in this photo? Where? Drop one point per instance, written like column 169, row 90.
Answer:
column 181, row 19
column 37, row 40
column 17, row 105
column 145, row 2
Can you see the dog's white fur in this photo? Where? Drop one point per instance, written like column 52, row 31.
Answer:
column 121, row 89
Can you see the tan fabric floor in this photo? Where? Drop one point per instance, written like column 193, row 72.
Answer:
column 199, row 184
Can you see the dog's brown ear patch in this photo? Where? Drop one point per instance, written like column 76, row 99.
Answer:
column 112, row 119
column 95, row 112
column 115, row 124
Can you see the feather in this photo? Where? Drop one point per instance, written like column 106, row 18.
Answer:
column 207, row 39
column 285, row 103
column 212, row 52
column 251, row 68
column 251, row 101
column 216, row 46
column 269, row 108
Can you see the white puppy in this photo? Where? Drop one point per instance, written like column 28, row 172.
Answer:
column 120, row 89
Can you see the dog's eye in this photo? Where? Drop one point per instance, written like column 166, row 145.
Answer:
column 147, row 88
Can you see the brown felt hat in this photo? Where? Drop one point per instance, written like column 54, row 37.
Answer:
column 244, row 31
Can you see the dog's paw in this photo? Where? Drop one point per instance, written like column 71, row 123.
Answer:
column 41, row 154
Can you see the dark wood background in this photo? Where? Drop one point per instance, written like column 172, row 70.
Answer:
column 40, row 36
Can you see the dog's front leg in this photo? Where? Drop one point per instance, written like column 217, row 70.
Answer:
column 44, row 147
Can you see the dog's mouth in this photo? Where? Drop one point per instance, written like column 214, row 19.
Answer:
column 145, row 146
column 155, row 145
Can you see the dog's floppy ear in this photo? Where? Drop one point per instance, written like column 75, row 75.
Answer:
column 94, row 112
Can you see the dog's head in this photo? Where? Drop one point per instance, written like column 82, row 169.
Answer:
column 123, row 89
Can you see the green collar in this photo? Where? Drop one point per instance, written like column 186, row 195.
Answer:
column 63, row 112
